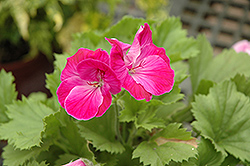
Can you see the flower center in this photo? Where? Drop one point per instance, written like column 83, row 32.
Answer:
column 99, row 83
column 96, row 84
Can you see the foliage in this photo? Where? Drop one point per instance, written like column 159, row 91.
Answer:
column 41, row 24
column 132, row 132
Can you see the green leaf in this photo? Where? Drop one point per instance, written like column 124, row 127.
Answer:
column 148, row 121
column 130, row 107
column 226, row 65
column 7, row 93
column 231, row 161
column 61, row 60
column 208, row 155
column 242, row 84
column 166, row 112
column 204, row 87
column 172, row 37
column 173, row 131
column 127, row 24
column 180, row 71
column 199, row 64
column 14, row 156
column 171, row 143
column 172, row 97
column 35, row 163
column 102, row 132
column 26, row 124
column 53, row 81
column 223, row 117
column 86, row 40
column 152, row 154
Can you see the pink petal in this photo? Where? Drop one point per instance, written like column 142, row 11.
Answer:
column 117, row 54
column 66, row 86
column 83, row 102
column 151, row 49
column 106, row 73
column 135, row 89
column 242, row 46
column 78, row 162
column 82, row 54
column 145, row 36
column 155, row 75
column 142, row 38
column 107, row 100
column 70, row 68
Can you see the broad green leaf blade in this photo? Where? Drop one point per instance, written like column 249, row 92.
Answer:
column 231, row 161
column 180, row 71
column 208, row 155
column 7, row 93
column 242, row 84
column 61, row 60
column 13, row 156
column 204, row 87
column 26, row 124
column 226, row 65
column 199, row 64
column 53, row 81
column 148, row 120
column 171, row 143
column 152, row 154
column 127, row 24
column 102, row 132
column 223, row 117
column 130, row 107
column 172, row 97
column 171, row 36
column 35, row 163
column 173, row 131
column 167, row 112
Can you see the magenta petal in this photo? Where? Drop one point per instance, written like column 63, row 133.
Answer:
column 70, row 68
column 83, row 102
column 105, row 73
column 82, row 54
column 154, row 75
column 78, row 162
column 142, row 38
column 117, row 54
column 145, row 35
column 107, row 100
column 151, row 49
column 242, row 46
column 135, row 89
column 66, row 86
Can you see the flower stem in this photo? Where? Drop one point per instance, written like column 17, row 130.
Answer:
column 117, row 124
column 131, row 136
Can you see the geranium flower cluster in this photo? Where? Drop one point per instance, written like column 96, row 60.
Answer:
column 91, row 77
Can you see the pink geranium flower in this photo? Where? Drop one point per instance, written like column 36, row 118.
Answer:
column 78, row 162
column 145, row 69
column 242, row 46
column 87, row 84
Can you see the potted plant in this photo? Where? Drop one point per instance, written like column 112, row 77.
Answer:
column 117, row 99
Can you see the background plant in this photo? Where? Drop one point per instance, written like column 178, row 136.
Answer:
column 34, row 26
column 138, row 132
